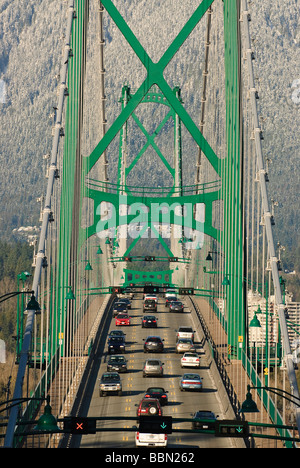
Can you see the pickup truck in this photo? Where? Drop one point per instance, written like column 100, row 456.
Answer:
column 150, row 440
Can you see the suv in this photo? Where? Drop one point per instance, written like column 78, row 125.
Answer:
column 150, row 304
column 185, row 332
column 110, row 382
column 153, row 367
column 149, row 407
column 153, row 344
column 116, row 344
column 117, row 363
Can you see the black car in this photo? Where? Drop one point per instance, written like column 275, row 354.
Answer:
column 209, row 420
column 176, row 306
column 125, row 300
column 116, row 345
column 170, row 299
column 116, row 333
column 157, row 392
column 119, row 307
column 149, row 321
column 150, row 304
column 117, row 363
column 153, row 344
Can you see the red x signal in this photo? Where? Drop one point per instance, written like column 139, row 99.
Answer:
column 80, row 425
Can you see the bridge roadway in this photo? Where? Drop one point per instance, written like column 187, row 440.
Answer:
column 181, row 404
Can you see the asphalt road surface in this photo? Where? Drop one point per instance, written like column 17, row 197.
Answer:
column 181, row 404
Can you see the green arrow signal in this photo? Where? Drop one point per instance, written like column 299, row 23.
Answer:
column 163, row 425
column 239, row 429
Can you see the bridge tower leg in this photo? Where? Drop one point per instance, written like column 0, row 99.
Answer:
column 232, row 187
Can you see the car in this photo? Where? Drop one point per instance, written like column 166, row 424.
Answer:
column 153, row 344
column 119, row 307
column 206, row 415
column 145, row 439
column 170, row 299
column 149, row 407
column 117, row 363
column 116, row 333
column 116, row 345
column 149, row 321
column 184, row 344
column 110, row 382
column 190, row 382
column 122, row 319
column 176, row 306
column 157, row 392
column 153, row 367
column 185, row 332
column 170, row 292
column 150, row 296
column 127, row 292
column 190, row 359
column 150, row 304
column 125, row 300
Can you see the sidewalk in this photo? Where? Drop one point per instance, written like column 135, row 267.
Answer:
column 238, row 378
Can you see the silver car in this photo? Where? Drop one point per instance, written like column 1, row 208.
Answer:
column 185, row 332
column 153, row 367
column 190, row 382
column 184, row 344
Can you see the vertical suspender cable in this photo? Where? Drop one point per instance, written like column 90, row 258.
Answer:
column 267, row 217
column 203, row 100
column 8, row 442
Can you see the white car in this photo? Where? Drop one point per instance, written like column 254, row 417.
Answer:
column 150, row 440
column 170, row 292
column 150, row 296
column 190, row 360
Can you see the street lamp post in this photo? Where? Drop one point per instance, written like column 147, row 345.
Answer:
column 32, row 308
column 249, row 406
column 20, row 277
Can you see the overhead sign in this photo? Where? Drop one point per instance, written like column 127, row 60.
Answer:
column 80, row 425
column 231, row 428
column 155, row 424
column 186, row 291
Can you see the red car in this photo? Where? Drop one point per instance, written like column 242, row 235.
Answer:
column 122, row 319
column 149, row 407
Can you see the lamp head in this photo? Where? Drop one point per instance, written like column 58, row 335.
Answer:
column 249, row 406
column 47, row 421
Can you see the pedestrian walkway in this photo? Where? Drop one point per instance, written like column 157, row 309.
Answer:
column 238, row 377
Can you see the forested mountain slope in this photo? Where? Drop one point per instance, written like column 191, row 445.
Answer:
column 31, row 41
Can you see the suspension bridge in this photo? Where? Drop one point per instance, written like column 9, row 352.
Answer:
column 159, row 182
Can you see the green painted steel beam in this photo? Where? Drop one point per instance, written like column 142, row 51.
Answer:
column 67, row 239
column 154, row 76
column 232, row 183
